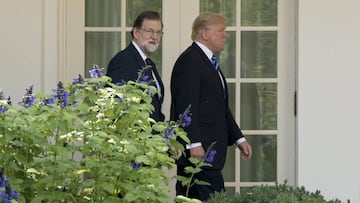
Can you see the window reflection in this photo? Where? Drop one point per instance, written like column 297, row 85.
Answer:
column 100, row 48
column 134, row 7
column 259, row 12
column 226, row 8
column 232, row 96
column 230, row 191
column 262, row 165
column 227, row 58
column 258, row 54
column 100, row 13
column 258, row 106
column 229, row 169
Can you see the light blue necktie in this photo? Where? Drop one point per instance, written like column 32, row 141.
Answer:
column 215, row 63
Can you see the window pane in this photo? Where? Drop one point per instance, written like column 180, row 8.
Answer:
column 258, row 106
column 135, row 7
column 244, row 190
column 259, row 12
column 128, row 38
column 227, row 58
column 100, row 13
column 262, row 165
column 231, row 95
column 226, row 8
column 230, row 191
column 259, row 54
column 229, row 167
column 100, row 47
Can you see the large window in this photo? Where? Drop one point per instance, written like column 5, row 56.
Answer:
column 249, row 62
column 108, row 27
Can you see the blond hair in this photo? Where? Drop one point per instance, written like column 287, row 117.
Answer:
column 203, row 21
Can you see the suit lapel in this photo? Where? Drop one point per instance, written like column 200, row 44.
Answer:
column 225, row 90
column 158, row 78
column 216, row 76
column 137, row 56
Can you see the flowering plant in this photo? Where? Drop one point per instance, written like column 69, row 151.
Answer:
column 89, row 141
column 7, row 195
column 195, row 168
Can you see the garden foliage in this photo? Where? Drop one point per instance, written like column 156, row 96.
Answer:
column 278, row 193
column 88, row 141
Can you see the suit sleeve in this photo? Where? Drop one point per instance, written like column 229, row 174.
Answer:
column 234, row 130
column 122, row 70
column 185, row 87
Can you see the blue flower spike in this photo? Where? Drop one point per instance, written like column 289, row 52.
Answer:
column 210, row 156
column 61, row 95
column 185, row 118
column 169, row 132
column 6, row 193
column 28, row 99
column 78, row 80
column 96, row 71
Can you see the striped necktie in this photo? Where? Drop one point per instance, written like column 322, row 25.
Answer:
column 215, row 63
column 216, row 67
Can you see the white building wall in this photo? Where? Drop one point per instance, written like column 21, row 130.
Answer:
column 329, row 97
column 28, row 46
column 328, row 82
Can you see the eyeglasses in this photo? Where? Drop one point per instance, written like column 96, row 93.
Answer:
column 152, row 32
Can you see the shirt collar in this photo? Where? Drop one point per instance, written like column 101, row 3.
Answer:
column 143, row 56
column 206, row 50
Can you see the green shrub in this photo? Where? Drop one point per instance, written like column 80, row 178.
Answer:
column 278, row 193
column 90, row 141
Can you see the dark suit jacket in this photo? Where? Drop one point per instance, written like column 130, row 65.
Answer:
column 125, row 65
column 194, row 81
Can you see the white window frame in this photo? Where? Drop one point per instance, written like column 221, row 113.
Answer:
column 177, row 18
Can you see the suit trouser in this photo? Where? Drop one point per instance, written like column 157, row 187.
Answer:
column 201, row 192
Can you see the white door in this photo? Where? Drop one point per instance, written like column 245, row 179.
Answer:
column 258, row 62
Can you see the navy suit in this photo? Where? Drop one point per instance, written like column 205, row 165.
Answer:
column 125, row 65
column 194, row 81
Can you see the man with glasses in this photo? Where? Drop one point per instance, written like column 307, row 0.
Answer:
column 125, row 65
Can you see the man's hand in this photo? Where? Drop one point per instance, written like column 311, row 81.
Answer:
column 245, row 150
column 197, row 153
column 174, row 155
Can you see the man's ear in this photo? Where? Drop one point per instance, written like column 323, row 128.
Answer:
column 204, row 34
column 136, row 32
